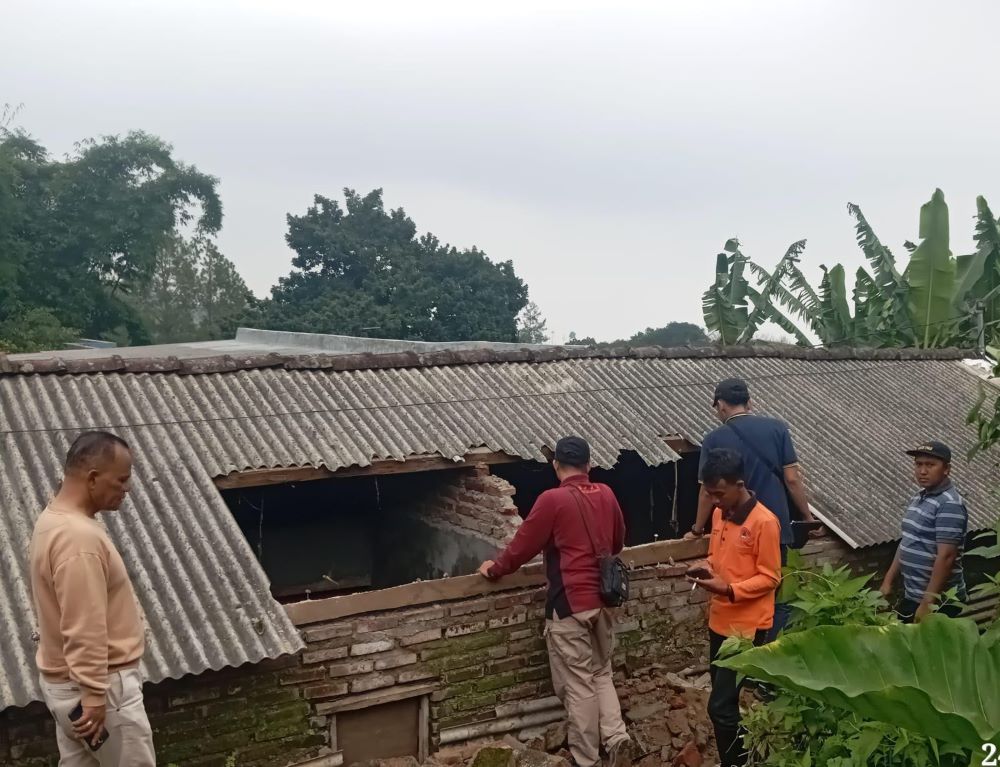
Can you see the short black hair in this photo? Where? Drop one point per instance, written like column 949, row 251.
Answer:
column 733, row 391
column 573, row 451
column 720, row 464
column 92, row 447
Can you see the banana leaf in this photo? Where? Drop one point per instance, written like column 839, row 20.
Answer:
column 763, row 309
column 931, row 275
column 978, row 274
column 721, row 315
column 891, row 307
column 836, row 323
column 938, row 677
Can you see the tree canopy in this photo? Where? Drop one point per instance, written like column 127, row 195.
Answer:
column 195, row 293
column 671, row 334
column 78, row 236
column 360, row 269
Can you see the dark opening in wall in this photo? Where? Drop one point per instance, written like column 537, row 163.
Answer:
column 645, row 493
column 336, row 536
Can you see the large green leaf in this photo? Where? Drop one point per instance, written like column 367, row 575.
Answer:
column 890, row 305
column 939, row 677
column 931, row 275
column 978, row 274
column 879, row 256
column 836, row 324
column 770, row 284
column 866, row 308
column 720, row 314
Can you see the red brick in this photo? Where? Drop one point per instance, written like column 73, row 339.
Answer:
column 395, row 660
column 372, row 682
column 319, row 656
column 370, row 648
column 430, row 635
column 328, row 690
column 414, row 675
column 321, row 633
column 462, row 629
column 351, row 668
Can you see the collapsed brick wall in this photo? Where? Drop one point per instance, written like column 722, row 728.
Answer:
column 446, row 527
column 477, row 503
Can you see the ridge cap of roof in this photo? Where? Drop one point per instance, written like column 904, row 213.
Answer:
column 227, row 363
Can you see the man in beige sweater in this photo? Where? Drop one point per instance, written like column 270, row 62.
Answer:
column 91, row 634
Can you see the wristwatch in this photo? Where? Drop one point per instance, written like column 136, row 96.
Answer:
column 697, row 530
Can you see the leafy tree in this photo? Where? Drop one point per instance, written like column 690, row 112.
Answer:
column 79, row 235
column 671, row 334
column 585, row 341
column 362, row 270
column 31, row 329
column 531, row 325
column 195, row 293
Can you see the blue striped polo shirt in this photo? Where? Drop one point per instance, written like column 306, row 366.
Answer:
column 932, row 517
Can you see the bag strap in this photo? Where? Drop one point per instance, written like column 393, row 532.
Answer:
column 758, row 455
column 578, row 496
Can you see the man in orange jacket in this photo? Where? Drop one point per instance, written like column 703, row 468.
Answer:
column 742, row 573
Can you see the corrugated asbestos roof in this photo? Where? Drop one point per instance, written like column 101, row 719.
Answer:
column 206, row 598
column 207, row 602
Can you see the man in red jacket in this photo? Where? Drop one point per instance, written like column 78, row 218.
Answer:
column 571, row 524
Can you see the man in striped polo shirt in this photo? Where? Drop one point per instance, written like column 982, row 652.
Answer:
column 934, row 527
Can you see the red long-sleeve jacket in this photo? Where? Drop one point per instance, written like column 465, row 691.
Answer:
column 555, row 525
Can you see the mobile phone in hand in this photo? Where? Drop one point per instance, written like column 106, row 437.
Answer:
column 75, row 714
column 700, row 573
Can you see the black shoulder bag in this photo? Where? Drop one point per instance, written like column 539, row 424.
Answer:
column 799, row 531
column 614, row 573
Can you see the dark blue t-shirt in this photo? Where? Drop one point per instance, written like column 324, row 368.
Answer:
column 770, row 438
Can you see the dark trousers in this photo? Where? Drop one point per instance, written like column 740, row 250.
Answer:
column 908, row 608
column 724, row 704
column 782, row 611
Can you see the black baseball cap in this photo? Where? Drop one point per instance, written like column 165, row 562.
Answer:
column 932, row 448
column 732, row 390
column 573, row 451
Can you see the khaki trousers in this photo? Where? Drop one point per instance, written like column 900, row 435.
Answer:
column 130, row 741
column 580, row 659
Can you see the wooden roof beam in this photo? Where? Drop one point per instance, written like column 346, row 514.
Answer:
column 379, row 468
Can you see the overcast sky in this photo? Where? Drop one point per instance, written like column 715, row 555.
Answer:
column 609, row 149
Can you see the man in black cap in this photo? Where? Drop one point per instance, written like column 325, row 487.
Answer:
column 574, row 524
column 934, row 527
column 770, row 463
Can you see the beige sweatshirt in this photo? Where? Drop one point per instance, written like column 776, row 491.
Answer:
column 88, row 617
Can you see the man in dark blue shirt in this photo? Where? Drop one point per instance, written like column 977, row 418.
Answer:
column 770, row 464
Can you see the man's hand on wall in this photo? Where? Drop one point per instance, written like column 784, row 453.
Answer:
column 484, row 569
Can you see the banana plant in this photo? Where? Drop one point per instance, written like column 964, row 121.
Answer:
column 763, row 299
column 887, row 316
column 938, row 677
column 930, row 277
column 934, row 301
column 724, row 304
column 977, row 279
